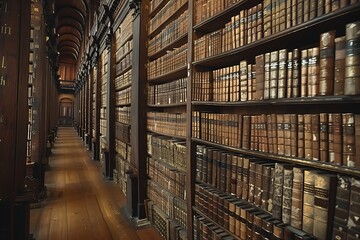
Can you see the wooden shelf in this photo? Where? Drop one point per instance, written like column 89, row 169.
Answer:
column 168, row 135
column 123, row 87
column 173, row 105
column 124, row 70
column 158, row 8
column 170, row 76
column 123, row 105
column 300, row 161
column 287, row 39
column 168, row 165
column 123, row 56
column 181, row 40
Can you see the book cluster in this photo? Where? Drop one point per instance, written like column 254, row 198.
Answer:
column 233, row 186
column 122, row 132
column 119, row 173
column 123, row 97
column 123, row 115
column 325, row 137
column 173, row 31
column 173, row 124
column 330, row 69
column 165, row 13
column 168, row 150
column 205, row 9
column 172, row 61
column 124, row 32
column 262, row 20
column 168, row 93
column 123, row 80
column 124, row 63
column 103, row 96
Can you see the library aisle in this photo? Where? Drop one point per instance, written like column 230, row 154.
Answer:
column 81, row 204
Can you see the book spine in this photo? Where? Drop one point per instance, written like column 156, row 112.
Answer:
column 267, row 63
column 278, row 191
column 287, row 134
column 304, row 73
column 349, row 145
column 289, row 81
column 274, row 74
column 243, row 81
column 296, row 77
column 267, row 17
column 308, row 206
column 297, row 197
column 324, row 140
column 287, row 194
column 280, row 134
column 352, row 60
column 339, row 71
column 294, row 135
column 327, row 63
column 260, row 77
column 282, row 73
column 335, row 138
column 315, row 132
column 308, row 138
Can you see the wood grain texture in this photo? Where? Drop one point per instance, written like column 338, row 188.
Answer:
column 81, row 204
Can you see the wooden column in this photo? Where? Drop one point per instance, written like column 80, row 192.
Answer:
column 139, row 100
column 90, row 105
column 97, row 76
column 14, row 65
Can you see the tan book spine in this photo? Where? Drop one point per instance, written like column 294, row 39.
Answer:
column 300, row 11
column 315, row 132
column 267, row 13
column 349, row 145
column 267, row 76
column 308, row 138
column 324, row 137
column 282, row 73
column 301, row 136
column 308, row 206
column 296, row 77
column 274, row 74
column 327, row 63
column 280, row 134
column 297, row 197
column 304, row 73
column 243, row 81
column 287, row 134
column 289, row 77
column 339, row 71
column 260, row 74
column 335, row 138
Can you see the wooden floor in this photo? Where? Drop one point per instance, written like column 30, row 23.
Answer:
column 81, row 204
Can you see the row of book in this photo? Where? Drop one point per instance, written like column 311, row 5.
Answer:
column 167, row 178
column 124, row 63
column 205, row 9
column 103, row 94
column 168, row 93
column 123, row 150
column 103, row 127
column 167, row 123
column 124, row 32
column 122, row 132
column 247, row 27
column 168, row 150
column 123, row 97
column 165, row 13
column 123, row 50
column 123, row 80
column 173, row 31
column 170, row 62
column 325, row 137
column 305, row 199
column 123, row 115
column 172, row 206
column 119, row 173
column 330, row 69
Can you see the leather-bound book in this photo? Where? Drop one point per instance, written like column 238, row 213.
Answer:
column 349, row 145
column 252, row 179
column 278, row 231
column 352, row 60
column 289, row 77
column 354, row 210
column 294, row 135
column 306, row 10
column 260, row 77
column 335, row 138
column 339, row 71
column 357, row 141
column 274, row 16
column 239, row 176
column 296, row 77
column 293, row 12
column 304, row 73
column 243, row 81
column 245, row 179
column 267, row 227
column 315, row 132
column 243, row 27
column 280, row 134
column 282, row 73
column 274, row 74
column 282, row 15
column 308, row 138
column 246, row 132
column 233, row 173
column 335, row 5
column 324, row 137
column 300, row 11
column 301, row 136
column 287, row 194
column 320, row 7
column 327, row 63
column 313, row 72
column 297, row 197
column 312, row 10
column 267, row 17
column 274, row 133
column 267, row 171
column 288, row 12
column 308, row 202
column 342, row 206
column 324, row 204
column 287, row 134
column 267, row 63
column 278, row 191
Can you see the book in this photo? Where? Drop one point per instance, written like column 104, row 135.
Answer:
column 348, row 139
column 313, row 72
column 260, row 77
column 274, row 74
column 287, row 194
column 308, row 202
column 335, row 138
column 339, row 71
column 296, row 74
column 282, row 68
column 297, row 197
column 327, row 63
column 324, row 137
column 352, row 64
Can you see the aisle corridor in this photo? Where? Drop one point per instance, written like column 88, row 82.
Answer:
column 81, row 204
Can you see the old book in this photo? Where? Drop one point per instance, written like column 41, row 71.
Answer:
column 312, row 10
column 297, row 197
column 301, row 136
column 245, row 179
column 234, row 172
column 278, row 191
column 308, row 202
column 300, row 11
column 352, row 60
column 267, row 63
column 296, row 77
column 293, row 12
column 251, row 81
column 304, row 73
column 289, row 76
column 342, row 205
column 293, row 135
column 354, row 210
column 250, row 23
column 280, row 134
column 306, row 10
column 315, row 132
column 274, row 74
column 288, row 12
column 273, row 123
column 349, row 145
column 252, row 178
column 313, row 72
column 357, row 141
column 243, row 27
column 320, row 7
column 282, row 15
column 246, row 132
column 267, row 13
column 324, row 203
column 287, row 134
column 335, row 138
column 287, row 194
column 327, row 63
column 243, row 81
column 323, row 137
column 274, row 15
column 260, row 77
column 267, row 170
column 259, row 21
column 308, row 138
column 339, row 71
column 282, row 73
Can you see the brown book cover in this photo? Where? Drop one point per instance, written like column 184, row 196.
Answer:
column 243, row 27
column 289, row 76
column 312, row 10
column 297, row 197
column 243, row 81
column 280, row 134
column 320, row 7
column 296, row 77
column 301, row 136
column 315, row 132
column 294, row 135
column 249, row 28
column 260, row 74
column 278, row 191
column 300, row 11
column 274, row 74
column 235, row 31
column 288, row 12
column 270, row 133
column 252, row 179
column 308, row 206
column 245, row 179
column 282, row 15
column 349, row 145
column 352, row 63
column 266, row 185
column 324, row 204
column 259, row 21
column 324, row 137
column 357, row 141
column 306, row 10
column 304, row 73
column 267, row 75
column 228, row 172
column 246, row 132
column 339, row 71
column 327, row 63
column 342, row 205
column 293, row 12
column 313, row 72
column 287, row 134
column 233, row 174
column 287, row 194
column 274, row 15
column 267, row 13
column 335, row 138
column 282, row 73
column 239, row 176
column 308, row 138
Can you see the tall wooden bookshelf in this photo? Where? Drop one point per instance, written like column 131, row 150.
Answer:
column 103, row 106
